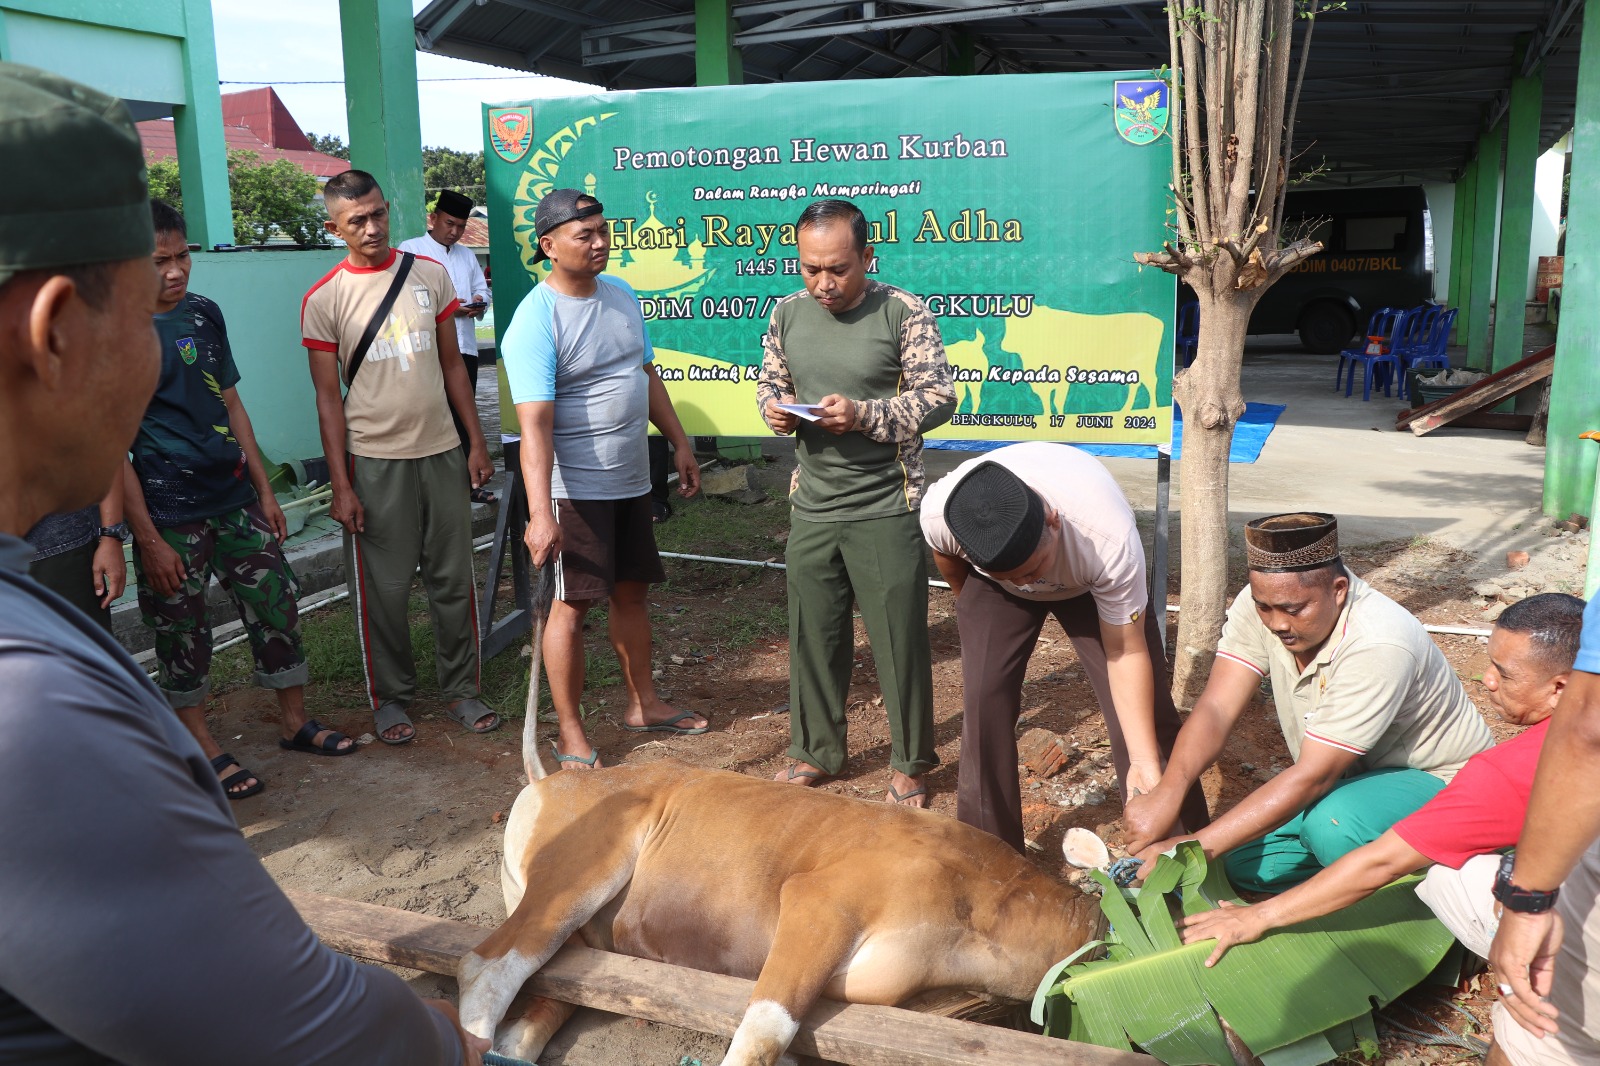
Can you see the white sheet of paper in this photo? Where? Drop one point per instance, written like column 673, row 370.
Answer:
column 802, row 410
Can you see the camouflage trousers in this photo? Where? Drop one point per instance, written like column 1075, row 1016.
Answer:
column 241, row 550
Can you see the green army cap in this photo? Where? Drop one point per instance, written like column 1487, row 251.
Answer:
column 73, row 186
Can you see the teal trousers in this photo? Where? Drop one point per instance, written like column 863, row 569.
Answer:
column 879, row 564
column 1358, row 811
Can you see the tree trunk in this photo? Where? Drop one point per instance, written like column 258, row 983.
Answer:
column 1541, row 418
column 1209, row 395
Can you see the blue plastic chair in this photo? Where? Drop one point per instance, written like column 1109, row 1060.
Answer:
column 1388, row 361
column 1188, row 338
column 1420, row 335
column 1434, row 354
column 1379, row 325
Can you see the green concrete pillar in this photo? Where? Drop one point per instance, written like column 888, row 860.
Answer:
column 960, row 54
column 1516, row 218
column 1569, row 463
column 716, row 57
column 1480, row 285
column 197, row 125
column 1457, row 211
column 380, row 92
column 5, row 41
column 1461, row 254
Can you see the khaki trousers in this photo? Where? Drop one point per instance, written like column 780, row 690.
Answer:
column 418, row 514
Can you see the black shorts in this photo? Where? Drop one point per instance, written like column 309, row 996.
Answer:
column 604, row 542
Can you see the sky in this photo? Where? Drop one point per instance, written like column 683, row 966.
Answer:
column 282, row 41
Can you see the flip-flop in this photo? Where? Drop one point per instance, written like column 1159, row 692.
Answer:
column 390, row 715
column 306, row 740
column 484, row 496
column 816, row 777
column 469, row 710
column 594, row 757
column 669, row 726
column 241, row 773
column 899, row 798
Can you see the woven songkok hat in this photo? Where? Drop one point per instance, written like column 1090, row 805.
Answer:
column 995, row 517
column 1283, row 543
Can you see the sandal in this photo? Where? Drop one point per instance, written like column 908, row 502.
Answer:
column 241, row 774
column 669, row 725
column 592, row 762
column 390, row 715
column 306, row 740
column 469, row 711
column 899, row 798
column 794, row 773
column 484, row 496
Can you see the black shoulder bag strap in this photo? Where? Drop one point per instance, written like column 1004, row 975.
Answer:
column 369, row 334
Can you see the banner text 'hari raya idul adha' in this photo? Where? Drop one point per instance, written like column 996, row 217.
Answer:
column 1011, row 204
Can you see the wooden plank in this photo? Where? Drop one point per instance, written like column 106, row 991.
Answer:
column 1492, row 420
column 1492, row 389
column 851, row 1033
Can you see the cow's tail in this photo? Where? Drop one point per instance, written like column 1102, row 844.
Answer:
column 543, row 593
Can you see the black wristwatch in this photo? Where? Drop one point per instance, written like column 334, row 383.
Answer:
column 1521, row 900
column 118, row 532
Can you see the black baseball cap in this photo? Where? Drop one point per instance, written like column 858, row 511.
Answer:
column 557, row 208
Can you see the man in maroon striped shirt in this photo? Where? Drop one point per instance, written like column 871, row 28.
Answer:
column 1374, row 716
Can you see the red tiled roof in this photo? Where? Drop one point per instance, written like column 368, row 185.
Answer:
column 255, row 121
column 476, row 234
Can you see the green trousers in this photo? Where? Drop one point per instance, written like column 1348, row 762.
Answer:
column 1358, row 811
column 418, row 514
column 878, row 563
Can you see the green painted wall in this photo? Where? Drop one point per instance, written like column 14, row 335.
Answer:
column 260, row 293
column 146, row 16
column 135, row 66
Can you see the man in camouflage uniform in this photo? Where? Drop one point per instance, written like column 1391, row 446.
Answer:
column 867, row 362
column 198, row 501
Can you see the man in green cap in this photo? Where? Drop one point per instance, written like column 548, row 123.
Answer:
column 140, row 926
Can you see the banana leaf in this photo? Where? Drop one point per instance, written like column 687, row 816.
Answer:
column 1298, row 997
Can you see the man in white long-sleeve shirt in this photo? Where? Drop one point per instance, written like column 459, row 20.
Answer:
column 447, row 222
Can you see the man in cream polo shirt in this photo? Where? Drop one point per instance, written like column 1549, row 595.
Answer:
column 399, row 476
column 1374, row 717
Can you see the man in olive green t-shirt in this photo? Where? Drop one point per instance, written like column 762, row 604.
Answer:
column 866, row 362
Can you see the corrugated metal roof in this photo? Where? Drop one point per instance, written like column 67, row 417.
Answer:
column 1398, row 89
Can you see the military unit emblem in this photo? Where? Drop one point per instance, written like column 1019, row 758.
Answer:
column 1141, row 109
column 510, row 131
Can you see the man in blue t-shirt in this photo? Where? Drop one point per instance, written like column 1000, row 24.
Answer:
column 579, row 362
column 199, row 503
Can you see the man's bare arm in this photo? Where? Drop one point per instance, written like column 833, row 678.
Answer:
column 1352, row 878
column 1228, row 692
column 346, row 506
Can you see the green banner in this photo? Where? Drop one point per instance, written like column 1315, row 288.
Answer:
column 1011, row 204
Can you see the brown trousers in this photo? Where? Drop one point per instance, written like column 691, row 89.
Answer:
column 998, row 634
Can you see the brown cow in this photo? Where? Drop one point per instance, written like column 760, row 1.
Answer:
column 807, row 893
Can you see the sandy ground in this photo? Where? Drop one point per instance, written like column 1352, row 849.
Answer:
column 418, row 826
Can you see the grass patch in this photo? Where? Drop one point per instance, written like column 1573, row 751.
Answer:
column 723, row 608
